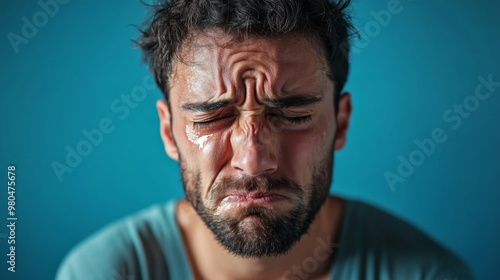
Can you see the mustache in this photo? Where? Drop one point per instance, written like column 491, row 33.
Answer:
column 264, row 184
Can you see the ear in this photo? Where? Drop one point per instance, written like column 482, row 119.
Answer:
column 343, row 117
column 166, row 129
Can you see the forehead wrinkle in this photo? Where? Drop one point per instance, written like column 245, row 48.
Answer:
column 255, row 61
column 219, row 52
column 211, row 55
column 224, row 89
column 205, row 79
column 240, row 65
column 258, row 77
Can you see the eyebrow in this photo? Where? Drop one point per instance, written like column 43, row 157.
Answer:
column 207, row 106
column 292, row 101
column 280, row 103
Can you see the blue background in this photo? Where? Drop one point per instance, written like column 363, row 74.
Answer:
column 405, row 75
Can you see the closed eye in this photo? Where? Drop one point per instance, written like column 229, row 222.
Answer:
column 279, row 119
column 208, row 123
column 290, row 119
column 296, row 120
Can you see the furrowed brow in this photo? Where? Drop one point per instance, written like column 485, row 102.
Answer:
column 207, row 106
column 292, row 101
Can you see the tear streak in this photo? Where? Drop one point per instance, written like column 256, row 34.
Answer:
column 195, row 138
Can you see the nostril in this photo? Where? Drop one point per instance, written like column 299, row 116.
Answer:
column 254, row 160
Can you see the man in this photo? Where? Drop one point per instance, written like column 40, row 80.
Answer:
column 253, row 112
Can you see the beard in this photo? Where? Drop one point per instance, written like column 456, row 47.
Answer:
column 260, row 231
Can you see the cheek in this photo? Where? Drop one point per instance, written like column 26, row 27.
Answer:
column 196, row 138
column 302, row 150
column 204, row 153
column 214, row 153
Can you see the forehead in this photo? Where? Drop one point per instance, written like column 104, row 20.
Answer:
column 279, row 46
column 212, row 61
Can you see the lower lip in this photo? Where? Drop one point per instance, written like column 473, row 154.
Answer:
column 242, row 199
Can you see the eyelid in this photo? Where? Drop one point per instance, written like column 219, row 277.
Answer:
column 303, row 110
column 204, row 124
column 206, row 116
column 280, row 119
column 294, row 118
column 211, row 121
column 290, row 115
column 287, row 113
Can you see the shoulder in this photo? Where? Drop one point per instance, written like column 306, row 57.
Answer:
column 120, row 250
column 398, row 248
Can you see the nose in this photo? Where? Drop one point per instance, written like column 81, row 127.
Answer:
column 251, row 155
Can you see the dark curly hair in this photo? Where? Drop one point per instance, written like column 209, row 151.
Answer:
column 172, row 23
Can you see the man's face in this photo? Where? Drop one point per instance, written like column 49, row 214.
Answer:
column 253, row 126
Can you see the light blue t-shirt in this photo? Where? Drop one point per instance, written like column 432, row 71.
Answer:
column 372, row 245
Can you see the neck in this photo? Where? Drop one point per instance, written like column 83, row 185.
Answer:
column 310, row 258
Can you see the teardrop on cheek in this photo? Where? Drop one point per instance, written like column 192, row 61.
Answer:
column 195, row 138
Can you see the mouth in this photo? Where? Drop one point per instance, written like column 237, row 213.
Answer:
column 253, row 198
column 238, row 203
